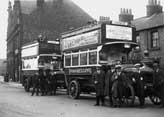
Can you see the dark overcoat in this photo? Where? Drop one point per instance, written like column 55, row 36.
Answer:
column 139, row 85
column 108, row 82
column 36, row 81
column 158, row 78
column 99, row 81
column 159, row 84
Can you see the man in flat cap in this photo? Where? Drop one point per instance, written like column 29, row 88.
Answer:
column 159, row 81
column 117, row 87
column 99, row 82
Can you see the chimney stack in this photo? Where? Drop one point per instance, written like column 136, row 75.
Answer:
column 125, row 15
column 104, row 19
column 153, row 7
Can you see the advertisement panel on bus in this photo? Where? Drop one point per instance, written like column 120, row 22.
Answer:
column 84, row 39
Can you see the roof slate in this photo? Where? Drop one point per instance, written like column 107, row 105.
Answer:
column 55, row 17
column 153, row 21
column 27, row 6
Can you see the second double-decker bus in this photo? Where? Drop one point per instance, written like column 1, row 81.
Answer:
column 41, row 55
column 92, row 46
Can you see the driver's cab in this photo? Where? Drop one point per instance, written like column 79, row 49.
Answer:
column 116, row 52
column 52, row 62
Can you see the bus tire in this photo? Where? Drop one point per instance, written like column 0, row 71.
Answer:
column 74, row 89
column 155, row 99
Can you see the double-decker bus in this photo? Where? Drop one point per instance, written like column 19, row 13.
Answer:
column 40, row 55
column 92, row 46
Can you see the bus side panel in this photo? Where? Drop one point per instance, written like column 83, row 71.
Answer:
column 83, row 76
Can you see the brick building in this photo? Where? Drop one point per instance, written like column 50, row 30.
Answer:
column 150, row 29
column 29, row 18
column 2, row 67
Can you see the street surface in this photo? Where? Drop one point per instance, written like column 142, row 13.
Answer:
column 15, row 102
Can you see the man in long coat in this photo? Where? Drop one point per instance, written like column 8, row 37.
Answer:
column 139, row 84
column 159, row 82
column 99, row 81
column 35, row 85
column 48, row 81
column 117, row 79
column 108, row 84
column 42, row 81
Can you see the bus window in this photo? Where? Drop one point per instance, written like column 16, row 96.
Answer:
column 102, row 56
column 30, row 63
column 68, row 60
column 93, row 57
column 50, row 62
column 75, row 59
column 83, row 59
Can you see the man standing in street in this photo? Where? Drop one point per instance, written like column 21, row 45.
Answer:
column 35, row 85
column 53, row 84
column 159, row 82
column 99, row 81
column 117, row 86
column 42, row 81
column 47, row 81
column 139, row 84
column 108, row 84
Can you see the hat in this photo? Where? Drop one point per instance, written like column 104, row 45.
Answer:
column 137, row 65
column 155, row 64
column 118, row 66
column 98, row 68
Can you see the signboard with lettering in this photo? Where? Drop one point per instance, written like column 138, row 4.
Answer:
column 118, row 32
column 80, row 40
column 30, row 51
column 80, row 71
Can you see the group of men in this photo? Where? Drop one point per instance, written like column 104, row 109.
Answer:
column 44, row 82
column 104, row 78
column 101, row 78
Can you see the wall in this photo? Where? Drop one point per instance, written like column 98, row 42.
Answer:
column 145, row 44
column 2, row 66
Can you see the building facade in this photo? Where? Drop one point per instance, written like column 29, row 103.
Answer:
column 149, row 30
column 29, row 19
column 2, row 66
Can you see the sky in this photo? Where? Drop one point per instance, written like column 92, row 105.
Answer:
column 95, row 8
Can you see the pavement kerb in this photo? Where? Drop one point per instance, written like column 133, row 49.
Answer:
column 13, row 84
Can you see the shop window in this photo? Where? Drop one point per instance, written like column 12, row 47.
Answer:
column 83, row 59
column 154, row 39
column 92, row 58
column 68, row 60
column 75, row 59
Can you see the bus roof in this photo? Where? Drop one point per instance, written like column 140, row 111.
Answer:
column 50, row 55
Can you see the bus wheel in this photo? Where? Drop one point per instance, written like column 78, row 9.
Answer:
column 74, row 89
column 155, row 99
